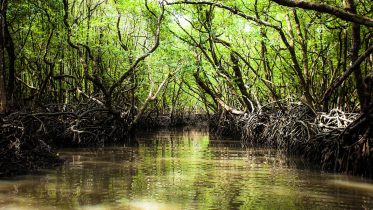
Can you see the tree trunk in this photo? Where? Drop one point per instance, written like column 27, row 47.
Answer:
column 356, row 42
column 9, row 46
column 240, row 83
column 3, row 94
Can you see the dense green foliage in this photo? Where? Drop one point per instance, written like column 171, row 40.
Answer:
column 228, row 55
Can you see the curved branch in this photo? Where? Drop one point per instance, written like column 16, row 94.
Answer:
column 142, row 57
column 231, row 9
column 325, row 8
column 214, row 96
column 77, row 47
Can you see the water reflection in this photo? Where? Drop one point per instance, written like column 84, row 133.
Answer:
column 183, row 170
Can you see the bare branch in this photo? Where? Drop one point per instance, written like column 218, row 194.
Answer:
column 142, row 57
column 325, row 8
column 336, row 83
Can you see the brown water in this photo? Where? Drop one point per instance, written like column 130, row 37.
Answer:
column 183, row 170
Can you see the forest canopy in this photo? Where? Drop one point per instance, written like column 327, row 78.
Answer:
column 198, row 55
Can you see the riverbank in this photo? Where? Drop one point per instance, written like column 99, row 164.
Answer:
column 24, row 150
column 336, row 141
column 28, row 140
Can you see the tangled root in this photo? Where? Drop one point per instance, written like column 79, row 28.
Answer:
column 22, row 151
column 337, row 141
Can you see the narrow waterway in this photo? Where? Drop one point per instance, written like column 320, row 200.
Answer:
column 184, row 169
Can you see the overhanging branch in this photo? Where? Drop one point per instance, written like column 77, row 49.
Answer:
column 325, row 8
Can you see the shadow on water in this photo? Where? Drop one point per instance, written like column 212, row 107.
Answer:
column 183, row 169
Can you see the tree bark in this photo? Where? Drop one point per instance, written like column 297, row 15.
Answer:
column 9, row 45
column 356, row 44
column 240, row 83
column 3, row 93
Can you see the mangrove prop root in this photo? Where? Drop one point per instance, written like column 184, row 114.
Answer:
column 337, row 141
column 26, row 139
